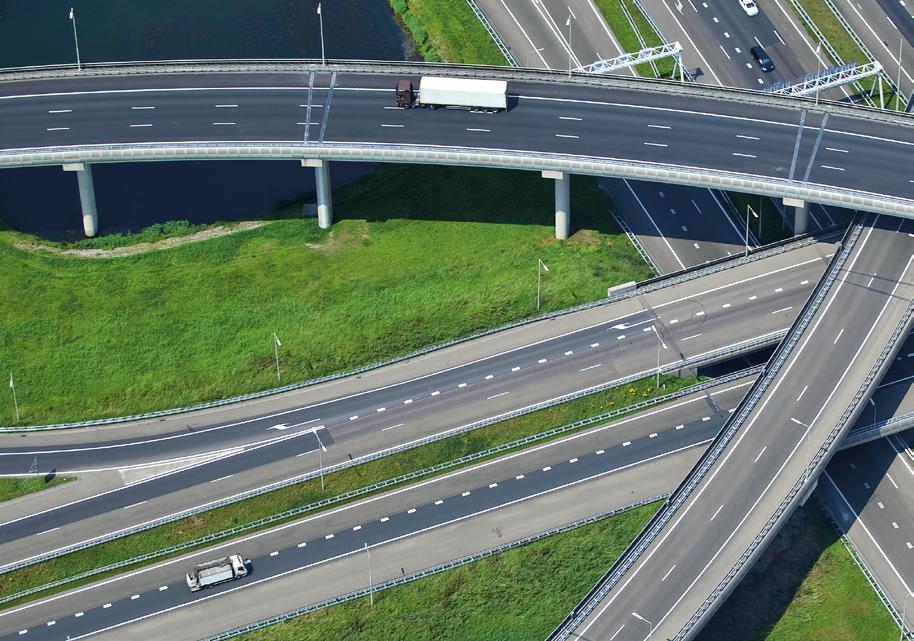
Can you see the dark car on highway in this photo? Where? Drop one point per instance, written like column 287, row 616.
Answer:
column 762, row 58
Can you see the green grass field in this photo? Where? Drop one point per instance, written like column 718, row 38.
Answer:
column 518, row 595
column 447, row 30
column 14, row 488
column 419, row 255
column 337, row 483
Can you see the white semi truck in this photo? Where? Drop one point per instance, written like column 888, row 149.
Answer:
column 454, row 93
column 217, row 571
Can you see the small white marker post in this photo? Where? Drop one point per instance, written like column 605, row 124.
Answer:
column 320, row 456
column 370, row 582
column 276, row 345
column 540, row 266
column 15, row 402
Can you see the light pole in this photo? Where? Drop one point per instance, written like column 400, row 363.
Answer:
column 898, row 78
column 320, row 16
column 650, row 634
column 537, row 50
column 659, row 343
column 568, row 24
column 873, row 403
column 320, row 457
column 540, row 266
column 819, row 63
column 370, row 582
column 276, row 345
column 749, row 209
column 15, row 402
column 904, row 614
column 79, row 64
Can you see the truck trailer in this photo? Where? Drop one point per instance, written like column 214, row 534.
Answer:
column 216, row 571
column 454, row 93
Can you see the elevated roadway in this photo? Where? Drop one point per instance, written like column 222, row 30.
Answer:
column 682, row 567
column 638, row 129
column 476, row 382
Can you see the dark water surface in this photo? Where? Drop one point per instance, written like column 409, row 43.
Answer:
column 131, row 196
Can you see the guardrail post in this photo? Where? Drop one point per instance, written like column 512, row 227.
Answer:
column 800, row 214
column 322, row 181
column 86, row 196
column 562, row 201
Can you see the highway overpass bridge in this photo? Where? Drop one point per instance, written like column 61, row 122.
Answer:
column 556, row 123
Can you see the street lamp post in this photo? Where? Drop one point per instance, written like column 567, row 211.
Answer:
column 540, row 266
column 276, row 345
column 659, row 343
column 898, row 78
column 370, row 582
column 819, row 63
column 650, row 634
column 320, row 16
column 320, row 457
column 904, row 615
column 568, row 24
column 79, row 64
column 536, row 50
column 749, row 209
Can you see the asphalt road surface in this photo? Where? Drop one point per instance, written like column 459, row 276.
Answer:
column 685, row 562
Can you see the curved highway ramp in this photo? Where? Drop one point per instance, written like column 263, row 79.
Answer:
column 765, row 461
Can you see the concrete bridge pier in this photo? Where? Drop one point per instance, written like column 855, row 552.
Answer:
column 324, row 200
column 562, row 201
column 800, row 214
column 86, row 196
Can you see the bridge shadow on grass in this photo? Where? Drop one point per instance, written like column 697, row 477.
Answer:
column 469, row 194
column 764, row 595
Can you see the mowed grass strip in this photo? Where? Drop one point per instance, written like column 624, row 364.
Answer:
column 14, row 488
column 447, row 31
column 804, row 586
column 628, row 39
column 517, row 595
column 418, row 255
column 301, row 494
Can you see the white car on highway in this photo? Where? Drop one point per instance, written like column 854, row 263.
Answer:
column 749, row 7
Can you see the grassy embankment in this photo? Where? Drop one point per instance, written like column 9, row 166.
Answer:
column 337, row 483
column 14, row 488
column 523, row 593
column 447, row 30
column 419, row 255
column 833, row 30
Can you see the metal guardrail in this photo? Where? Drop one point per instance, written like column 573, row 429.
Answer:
column 505, row 50
column 648, row 286
column 634, row 551
column 264, row 623
column 381, row 485
column 878, row 588
column 671, row 367
column 695, row 176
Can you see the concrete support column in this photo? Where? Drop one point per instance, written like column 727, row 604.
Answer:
column 562, row 201
column 86, row 196
column 800, row 214
column 324, row 200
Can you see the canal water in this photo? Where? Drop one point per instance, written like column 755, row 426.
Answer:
column 132, row 196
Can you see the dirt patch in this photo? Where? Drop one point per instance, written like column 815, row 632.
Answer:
column 140, row 248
